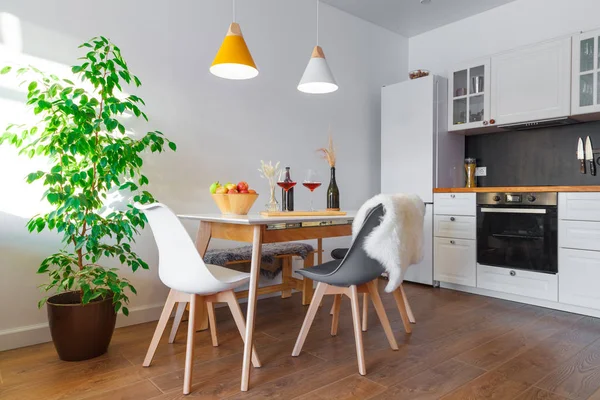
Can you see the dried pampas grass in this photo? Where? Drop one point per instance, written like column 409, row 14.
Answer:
column 328, row 153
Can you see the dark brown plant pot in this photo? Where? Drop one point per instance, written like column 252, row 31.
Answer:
column 80, row 332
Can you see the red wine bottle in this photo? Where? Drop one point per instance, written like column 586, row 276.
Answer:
column 287, row 196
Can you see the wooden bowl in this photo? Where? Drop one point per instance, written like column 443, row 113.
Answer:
column 235, row 204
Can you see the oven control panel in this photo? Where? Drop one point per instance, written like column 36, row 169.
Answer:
column 518, row 199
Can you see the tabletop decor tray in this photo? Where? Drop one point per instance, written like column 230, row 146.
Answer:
column 324, row 213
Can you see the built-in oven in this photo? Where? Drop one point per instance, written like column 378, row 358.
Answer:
column 518, row 231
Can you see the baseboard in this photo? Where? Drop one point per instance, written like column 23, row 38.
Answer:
column 40, row 333
column 523, row 299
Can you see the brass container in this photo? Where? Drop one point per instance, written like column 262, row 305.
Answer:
column 470, row 167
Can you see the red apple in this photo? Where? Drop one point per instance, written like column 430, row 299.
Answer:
column 232, row 191
column 242, row 186
column 244, row 191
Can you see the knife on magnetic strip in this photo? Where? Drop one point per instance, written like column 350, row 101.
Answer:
column 581, row 156
column 589, row 155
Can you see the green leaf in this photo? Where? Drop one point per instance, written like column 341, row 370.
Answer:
column 172, row 146
column 5, row 70
column 32, row 86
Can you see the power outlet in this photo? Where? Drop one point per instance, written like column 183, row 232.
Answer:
column 481, row 171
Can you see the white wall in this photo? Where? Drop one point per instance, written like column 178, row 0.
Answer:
column 223, row 128
column 504, row 28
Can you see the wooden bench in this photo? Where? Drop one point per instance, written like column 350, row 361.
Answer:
column 271, row 252
column 288, row 281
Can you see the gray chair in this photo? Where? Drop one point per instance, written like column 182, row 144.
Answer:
column 399, row 295
column 355, row 273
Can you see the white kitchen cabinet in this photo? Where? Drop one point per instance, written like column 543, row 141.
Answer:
column 524, row 283
column 583, row 235
column 454, row 226
column 579, row 206
column 585, row 95
column 469, row 95
column 455, row 261
column 579, row 277
column 454, row 204
column 531, row 83
column 578, row 254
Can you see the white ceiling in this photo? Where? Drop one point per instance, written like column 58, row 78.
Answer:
column 410, row 17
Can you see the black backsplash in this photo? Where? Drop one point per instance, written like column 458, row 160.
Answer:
column 545, row 156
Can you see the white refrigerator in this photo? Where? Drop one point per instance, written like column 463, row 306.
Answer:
column 417, row 152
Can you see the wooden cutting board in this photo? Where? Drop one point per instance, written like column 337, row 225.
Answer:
column 324, row 213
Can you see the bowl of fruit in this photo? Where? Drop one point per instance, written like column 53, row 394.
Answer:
column 233, row 199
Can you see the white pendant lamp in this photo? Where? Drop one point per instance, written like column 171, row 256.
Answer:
column 233, row 60
column 317, row 78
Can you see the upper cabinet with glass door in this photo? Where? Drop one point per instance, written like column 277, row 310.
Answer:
column 469, row 96
column 586, row 73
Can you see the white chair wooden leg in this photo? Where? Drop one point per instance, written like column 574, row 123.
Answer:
column 160, row 327
column 365, row 312
column 411, row 316
column 177, row 320
column 310, row 316
column 385, row 322
column 189, row 351
column 360, row 354
column 336, row 297
column 212, row 322
column 238, row 317
column 402, row 309
column 335, row 310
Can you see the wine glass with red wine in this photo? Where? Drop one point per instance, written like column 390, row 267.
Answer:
column 311, row 182
column 285, row 181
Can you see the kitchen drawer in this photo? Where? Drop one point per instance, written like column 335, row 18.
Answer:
column 454, row 226
column 514, row 281
column 584, row 235
column 454, row 204
column 579, row 206
column 454, row 261
column 579, row 277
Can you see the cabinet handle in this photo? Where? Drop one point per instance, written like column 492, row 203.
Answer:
column 452, row 242
column 485, row 123
column 513, row 273
column 452, row 196
column 452, row 219
column 492, row 121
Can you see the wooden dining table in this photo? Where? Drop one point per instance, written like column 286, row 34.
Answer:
column 256, row 229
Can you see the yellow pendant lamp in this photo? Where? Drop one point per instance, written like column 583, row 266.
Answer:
column 233, row 60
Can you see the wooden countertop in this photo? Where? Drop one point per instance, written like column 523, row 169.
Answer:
column 517, row 189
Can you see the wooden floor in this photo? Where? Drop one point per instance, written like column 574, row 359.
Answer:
column 463, row 347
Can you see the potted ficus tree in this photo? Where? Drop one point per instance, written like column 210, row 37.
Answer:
column 90, row 153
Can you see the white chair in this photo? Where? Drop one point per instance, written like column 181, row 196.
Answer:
column 181, row 268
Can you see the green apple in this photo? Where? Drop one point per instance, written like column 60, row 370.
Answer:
column 214, row 186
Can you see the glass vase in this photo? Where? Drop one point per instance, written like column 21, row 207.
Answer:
column 272, row 205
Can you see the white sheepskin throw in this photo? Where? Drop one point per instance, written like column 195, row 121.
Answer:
column 397, row 242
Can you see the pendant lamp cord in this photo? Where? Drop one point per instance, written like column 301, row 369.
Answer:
column 233, row 9
column 317, row 22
